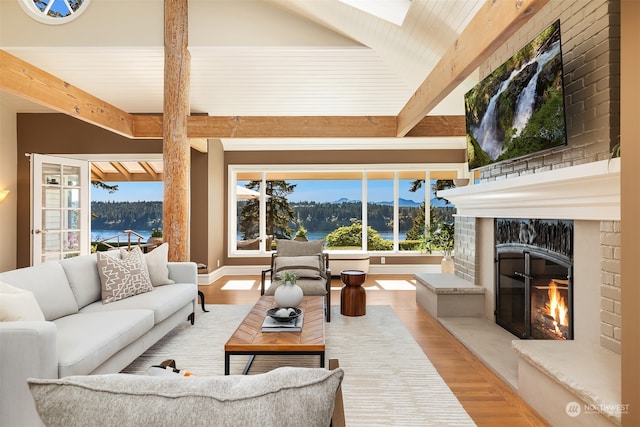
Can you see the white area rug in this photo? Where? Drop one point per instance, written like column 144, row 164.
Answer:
column 388, row 379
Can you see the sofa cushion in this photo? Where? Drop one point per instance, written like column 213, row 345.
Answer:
column 49, row 285
column 86, row 340
column 284, row 396
column 295, row 248
column 157, row 261
column 309, row 266
column 18, row 304
column 82, row 273
column 163, row 301
column 123, row 278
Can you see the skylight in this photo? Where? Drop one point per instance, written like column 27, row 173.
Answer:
column 393, row 11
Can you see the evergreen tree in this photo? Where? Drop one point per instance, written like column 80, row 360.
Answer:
column 279, row 212
column 417, row 230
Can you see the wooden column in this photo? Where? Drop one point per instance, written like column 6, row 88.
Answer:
column 630, row 210
column 176, row 148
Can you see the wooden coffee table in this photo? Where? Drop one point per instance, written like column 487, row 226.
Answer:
column 248, row 339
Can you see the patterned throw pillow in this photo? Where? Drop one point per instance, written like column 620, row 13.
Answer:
column 123, row 278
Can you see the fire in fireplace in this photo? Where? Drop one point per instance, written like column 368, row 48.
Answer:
column 534, row 281
column 550, row 310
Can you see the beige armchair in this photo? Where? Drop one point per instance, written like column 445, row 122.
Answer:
column 308, row 261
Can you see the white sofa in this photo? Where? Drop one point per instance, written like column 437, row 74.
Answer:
column 80, row 335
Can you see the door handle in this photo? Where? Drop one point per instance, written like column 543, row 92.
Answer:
column 526, row 276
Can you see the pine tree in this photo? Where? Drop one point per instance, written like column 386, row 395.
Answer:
column 279, row 212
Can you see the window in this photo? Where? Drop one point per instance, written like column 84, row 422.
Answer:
column 54, row 11
column 383, row 207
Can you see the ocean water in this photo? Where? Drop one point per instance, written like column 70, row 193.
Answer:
column 316, row 235
column 97, row 235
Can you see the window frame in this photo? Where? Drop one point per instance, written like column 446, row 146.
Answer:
column 35, row 13
column 263, row 170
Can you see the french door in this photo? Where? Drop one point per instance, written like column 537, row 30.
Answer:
column 60, row 208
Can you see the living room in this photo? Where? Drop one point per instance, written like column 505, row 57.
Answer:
column 593, row 129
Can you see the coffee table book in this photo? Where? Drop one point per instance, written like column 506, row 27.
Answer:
column 272, row 325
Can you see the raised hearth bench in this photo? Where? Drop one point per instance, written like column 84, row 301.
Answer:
column 447, row 295
column 577, row 390
column 562, row 388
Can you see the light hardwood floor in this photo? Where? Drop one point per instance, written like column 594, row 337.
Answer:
column 488, row 400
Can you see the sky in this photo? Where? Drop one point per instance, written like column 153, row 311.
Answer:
column 129, row 192
column 318, row 191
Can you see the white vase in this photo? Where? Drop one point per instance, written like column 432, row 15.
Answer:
column 446, row 265
column 288, row 295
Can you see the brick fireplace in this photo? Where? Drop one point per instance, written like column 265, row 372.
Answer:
column 496, row 222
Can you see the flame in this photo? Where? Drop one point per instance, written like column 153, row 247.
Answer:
column 556, row 307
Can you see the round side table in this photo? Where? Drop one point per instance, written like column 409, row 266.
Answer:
column 353, row 298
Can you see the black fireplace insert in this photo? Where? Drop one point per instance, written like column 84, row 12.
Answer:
column 534, row 280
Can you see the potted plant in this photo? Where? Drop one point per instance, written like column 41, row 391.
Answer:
column 288, row 293
column 289, row 277
column 301, row 234
column 156, row 237
column 441, row 237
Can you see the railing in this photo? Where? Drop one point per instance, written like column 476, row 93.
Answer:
column 128, row 234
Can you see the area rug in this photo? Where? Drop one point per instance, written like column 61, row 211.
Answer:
column 388, row 379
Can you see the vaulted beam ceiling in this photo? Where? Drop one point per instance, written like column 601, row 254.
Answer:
column 491, row 26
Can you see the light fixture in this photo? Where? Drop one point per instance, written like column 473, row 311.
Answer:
column 3, row 194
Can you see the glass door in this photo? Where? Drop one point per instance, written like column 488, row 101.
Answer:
column 60, row 208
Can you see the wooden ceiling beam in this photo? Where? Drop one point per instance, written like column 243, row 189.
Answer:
column 150, row 171
column 29, row 82
column 490, row 28
column 150, row 126
column 97, row 174
column 439, row 126
column 126, row 175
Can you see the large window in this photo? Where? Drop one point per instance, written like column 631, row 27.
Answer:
column 371, row 209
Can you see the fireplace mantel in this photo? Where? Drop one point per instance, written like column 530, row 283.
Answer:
column 590, row 191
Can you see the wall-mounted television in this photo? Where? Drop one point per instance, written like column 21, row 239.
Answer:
column 519, row 108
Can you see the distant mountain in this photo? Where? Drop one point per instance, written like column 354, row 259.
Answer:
column 403, row 203
column 438, row 203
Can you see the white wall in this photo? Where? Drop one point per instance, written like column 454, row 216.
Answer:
column 586, row 282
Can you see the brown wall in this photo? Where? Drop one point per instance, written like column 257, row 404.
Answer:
column 61, row 134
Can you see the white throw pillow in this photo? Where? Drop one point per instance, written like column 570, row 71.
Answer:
column 157, row 261
column 123, row 278
column 18, row 304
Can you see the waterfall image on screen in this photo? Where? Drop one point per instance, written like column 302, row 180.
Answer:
column 519, row 108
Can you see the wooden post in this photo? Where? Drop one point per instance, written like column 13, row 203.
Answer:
column 176, row 147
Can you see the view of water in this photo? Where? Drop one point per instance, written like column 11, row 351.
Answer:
column 97, row 235
column 315, row 235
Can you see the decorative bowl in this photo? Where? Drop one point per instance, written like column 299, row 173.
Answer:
column 293, row 313
column 460, row 182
